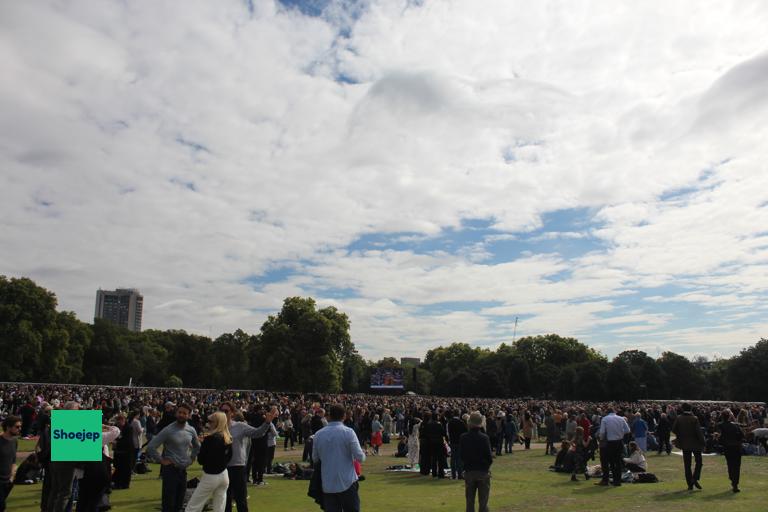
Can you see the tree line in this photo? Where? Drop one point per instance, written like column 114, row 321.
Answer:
column 306, row 348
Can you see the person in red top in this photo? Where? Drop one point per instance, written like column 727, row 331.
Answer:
column 585, row 424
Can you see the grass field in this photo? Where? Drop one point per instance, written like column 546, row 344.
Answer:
column 520, row 482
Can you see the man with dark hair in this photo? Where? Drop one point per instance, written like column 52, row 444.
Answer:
column 336, row 448
column 663, row 429
column 477, row 458
column 690, row 439
column 456, row 428
column 613, row 428
column 8, row 446
column 434, row 437
column 180, row 447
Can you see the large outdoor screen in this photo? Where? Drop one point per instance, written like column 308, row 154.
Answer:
column 387, row 378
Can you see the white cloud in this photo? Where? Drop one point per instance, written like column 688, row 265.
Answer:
column 183, row 149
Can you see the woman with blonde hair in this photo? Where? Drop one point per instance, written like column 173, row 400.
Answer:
column 215, row 453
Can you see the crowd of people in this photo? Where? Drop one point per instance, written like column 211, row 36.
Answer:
column 234, row 434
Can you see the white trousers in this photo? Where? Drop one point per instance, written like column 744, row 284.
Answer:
column 210, row 486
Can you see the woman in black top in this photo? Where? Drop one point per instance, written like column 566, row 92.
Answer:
column 731, row 437
column 125, row 450
column 215, row 453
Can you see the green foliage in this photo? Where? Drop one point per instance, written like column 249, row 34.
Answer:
column 685, row 381
column 746, row 373
column 303, row 348
column 651, row 381
column 37, row 342
column 173, row 382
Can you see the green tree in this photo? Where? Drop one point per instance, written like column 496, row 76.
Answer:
column 590, row 379
column 302, row 348
column 685, row 381
column 650, row 377
column 33, row 342
column 230, row 353
column 355, row 373
column 746, row 373
column 554, row 350
column 620, row 381
column 110, row 359
column 79, row 336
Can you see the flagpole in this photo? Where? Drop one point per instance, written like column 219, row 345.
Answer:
column 514, row 332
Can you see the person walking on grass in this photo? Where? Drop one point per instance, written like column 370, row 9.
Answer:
column 477, row 458
column 731, row 436
column 180, row 447
column 690, row 439
column 215, row 454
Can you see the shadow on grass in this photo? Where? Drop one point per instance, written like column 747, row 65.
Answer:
column 414, row 479
column 675, row 495
column 729, row 494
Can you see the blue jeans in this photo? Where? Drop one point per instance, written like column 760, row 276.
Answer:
column 347, row 501
column 174, row 488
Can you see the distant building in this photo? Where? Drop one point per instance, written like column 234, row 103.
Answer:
column 410, row 361
column 122, row 307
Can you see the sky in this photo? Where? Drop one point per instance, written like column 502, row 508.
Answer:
column 434, row 169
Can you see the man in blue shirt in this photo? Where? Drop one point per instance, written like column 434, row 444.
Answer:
column 640, row 432
column 612, row 431
column 336, row 447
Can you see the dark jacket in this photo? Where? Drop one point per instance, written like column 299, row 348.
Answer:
column 688, row 431
column 214, row 454
column 662, row 427
column 433, row 432
column 456, row 427
column 476, row 451
column 731, row 434
column 124, row 443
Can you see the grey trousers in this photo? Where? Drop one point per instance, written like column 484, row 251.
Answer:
column 477, row 482
column 62, row 476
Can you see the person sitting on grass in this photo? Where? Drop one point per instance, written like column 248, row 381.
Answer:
column 636, row 462
column 565, row 459
column 402, row 447
column 579, row 448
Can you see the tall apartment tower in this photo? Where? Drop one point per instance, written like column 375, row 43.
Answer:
column 122, row 307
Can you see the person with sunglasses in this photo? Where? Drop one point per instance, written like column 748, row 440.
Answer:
column 9, row 444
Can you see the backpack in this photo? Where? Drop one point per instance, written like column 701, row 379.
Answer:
column 646, row 478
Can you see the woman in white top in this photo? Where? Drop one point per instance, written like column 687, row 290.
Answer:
column 636, row 462
column 413, row 443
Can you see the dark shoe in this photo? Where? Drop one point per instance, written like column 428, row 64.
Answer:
column 573, row 478
column 690, row 487
column 697, row 485
column 736, row 489
column 586, row 476
column 617, row 484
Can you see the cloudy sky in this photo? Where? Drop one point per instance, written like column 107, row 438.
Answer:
column 435, row 169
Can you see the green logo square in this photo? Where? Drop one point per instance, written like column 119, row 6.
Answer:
column 75, row 435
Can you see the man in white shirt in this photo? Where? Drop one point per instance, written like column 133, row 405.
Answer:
column 612, row 431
